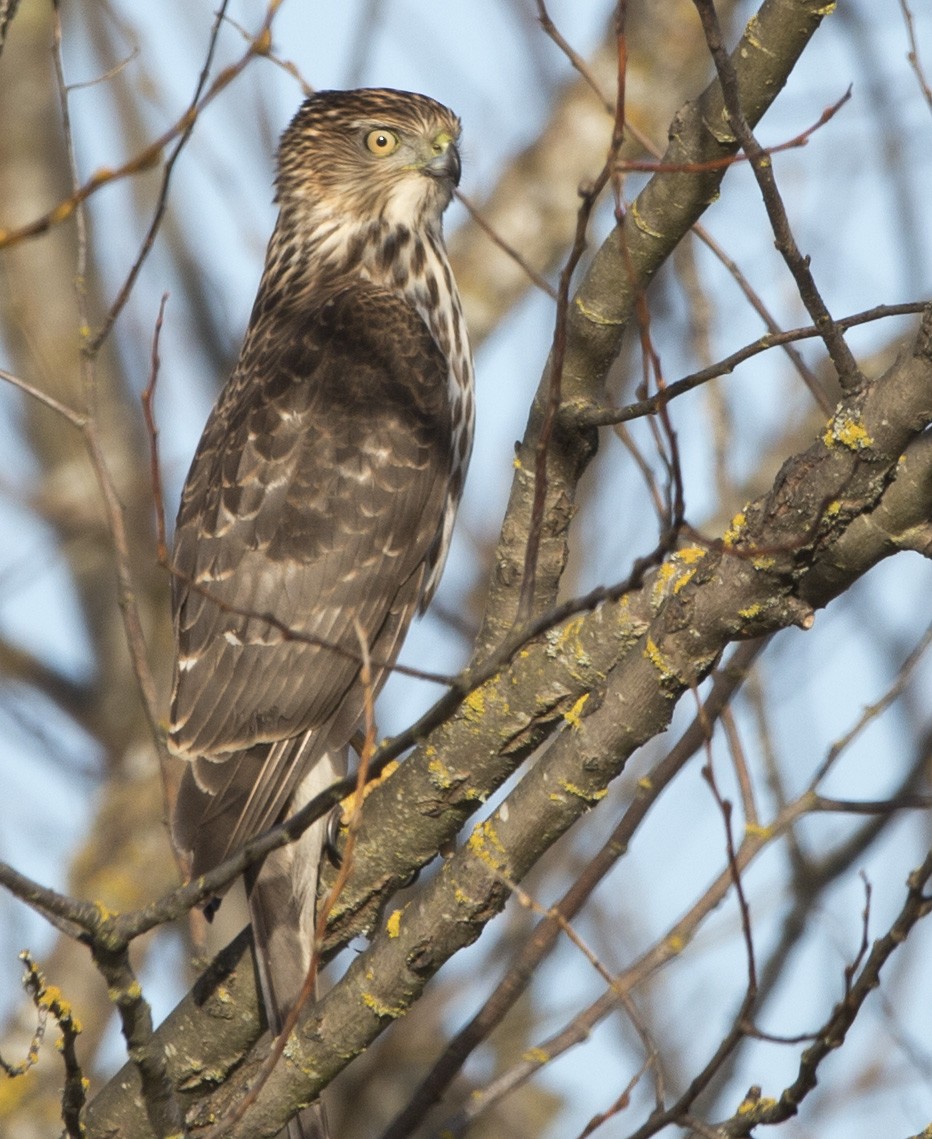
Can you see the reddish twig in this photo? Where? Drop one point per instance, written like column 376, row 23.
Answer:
column 577, row 61
column 601, row 417
column 849, row 374
column 589, row 195
column 913, row 55
column 148, row 411
column 149, row 155
column 541, row 282
column 635, row 165
column 188, row 120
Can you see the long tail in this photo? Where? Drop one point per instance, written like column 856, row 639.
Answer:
column 282, row 900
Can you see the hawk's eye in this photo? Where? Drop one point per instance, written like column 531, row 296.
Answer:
column 382, row 142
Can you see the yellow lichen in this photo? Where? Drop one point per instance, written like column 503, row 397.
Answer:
column 751, row 611
column 657, row 659
column 683, row 579
column 440, row 774
column 665, row 574
column 573, row 717
column 752, row 1103
column 384, row 1011
column 223, row 994
column 733, row 533
column 580, row 792
column 595, row 317
column 755, row 830
column 691, row 554
column 849, row 431
column 677, row 574
column 103, row 912
column 536, row 1056
column 131, row 993
column 393, row 925
column 51, row 995
column 565, row 633
column 487, row 846
column 636, row 216
column 474, row 705
column 753, row 37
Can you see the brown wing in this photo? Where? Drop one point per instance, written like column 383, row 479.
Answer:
column 316, row 496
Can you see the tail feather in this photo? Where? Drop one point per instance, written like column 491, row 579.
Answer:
column 282, row 897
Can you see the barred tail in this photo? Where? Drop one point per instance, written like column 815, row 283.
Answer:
column 282, row 898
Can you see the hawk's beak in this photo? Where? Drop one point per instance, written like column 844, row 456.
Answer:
column 446, row 162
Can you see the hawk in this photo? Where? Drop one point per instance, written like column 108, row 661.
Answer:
column 321, row 498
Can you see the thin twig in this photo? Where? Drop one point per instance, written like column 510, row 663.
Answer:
column 810, row 379
column 601, row 417
column 287, row 65
column 589, row 195
column 726, row 809
column 290, row 633
column 913, row 56
column 831, row 1036
column 149, row 155
column 148, row 411
column 48, row 999
column 655, row 166
column 188, row 119
column 665, row 949
column 755, row 300
column 551, row 29
column 876, row 708
column 740, row 764
column 849, row 374
column 622, row 1103
column 162, row 1106
column 113, row 508
column 75, row 418
column 515, row 254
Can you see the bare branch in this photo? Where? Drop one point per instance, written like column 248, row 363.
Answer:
column 848, row 372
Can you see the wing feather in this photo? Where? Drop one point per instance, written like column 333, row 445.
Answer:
column 316, row 497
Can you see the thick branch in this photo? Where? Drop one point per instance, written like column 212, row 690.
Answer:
column 787, row 547
column 622, row 269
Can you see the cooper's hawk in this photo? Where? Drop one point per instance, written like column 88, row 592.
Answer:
column 322, row 493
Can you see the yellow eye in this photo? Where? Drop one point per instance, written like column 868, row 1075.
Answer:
column 382, row 142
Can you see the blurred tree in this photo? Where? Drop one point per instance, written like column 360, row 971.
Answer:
column 666, row 581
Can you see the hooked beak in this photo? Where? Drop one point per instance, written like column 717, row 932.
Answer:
column 445, row 165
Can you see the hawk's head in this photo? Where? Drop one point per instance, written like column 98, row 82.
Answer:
column 370, row 154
